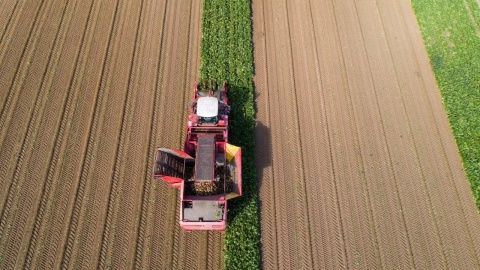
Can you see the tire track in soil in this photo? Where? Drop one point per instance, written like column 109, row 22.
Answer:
column 346, row 160
column 330, row 173
column 325, row 49
column 278, row 195
column 318, row 169
column 61, row 83
column 329, row 195
column 103, row 153
column 418, row 201
column 399, row 146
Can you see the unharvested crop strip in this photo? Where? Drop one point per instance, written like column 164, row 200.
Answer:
column 226, row 54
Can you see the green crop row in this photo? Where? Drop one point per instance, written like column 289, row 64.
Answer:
column 226, row 54
column 451, row 33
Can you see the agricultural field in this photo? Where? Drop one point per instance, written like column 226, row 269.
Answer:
column 349, row 159
column 356, row 163
column 88, row 89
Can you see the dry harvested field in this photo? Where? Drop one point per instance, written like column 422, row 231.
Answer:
column 356, row 163
column 87, row 90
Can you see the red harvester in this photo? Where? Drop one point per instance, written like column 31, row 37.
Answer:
column 208, row 171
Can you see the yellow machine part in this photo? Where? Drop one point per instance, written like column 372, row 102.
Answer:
column 231, row 151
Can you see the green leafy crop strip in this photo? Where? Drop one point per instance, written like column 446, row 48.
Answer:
column 226, row 54
column 451, row 33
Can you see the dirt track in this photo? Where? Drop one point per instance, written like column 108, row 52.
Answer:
column 87, row 90
column 363, row 170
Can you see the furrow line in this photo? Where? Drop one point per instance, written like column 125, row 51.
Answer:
column 180, row 258
column 347, row 161
column 115, row 194
column 266, row 193
column 41, row 153
column 10, row 145
column 8, row 10
column 328, row 67
column 286, row 189
column 214, row 254
column 434, row 168
column 165, row 214
column 310, row 133
column 50, row 73
column 103, row 153
column 158, row 226
column 446, row 139
column 14, row 68
column 41, row 56
column 146, row 191
column 77, row 121
column 135, row 140
column 392, row 130
column 163, row 220
column 85, row 164
column 179, row 238
column 276, row 132
column 415, row 199
column 307, row 127
column 367, row 132
column 302, row 202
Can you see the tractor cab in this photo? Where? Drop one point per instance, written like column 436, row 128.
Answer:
column 207, row 110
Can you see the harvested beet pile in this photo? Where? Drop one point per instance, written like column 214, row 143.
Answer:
column 223, row 184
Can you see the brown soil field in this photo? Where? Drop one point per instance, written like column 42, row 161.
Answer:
column 357, row 166
column 88, row 89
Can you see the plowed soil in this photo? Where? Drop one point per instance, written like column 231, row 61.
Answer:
column 87, row 90
column 363, row 171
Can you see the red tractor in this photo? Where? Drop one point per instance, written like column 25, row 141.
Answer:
column 208, row 171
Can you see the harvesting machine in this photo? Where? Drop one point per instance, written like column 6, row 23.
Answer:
column 208, row 171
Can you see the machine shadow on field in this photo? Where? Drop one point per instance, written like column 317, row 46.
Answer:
column 263, row 158
column 263, row 161
column 241, row 133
